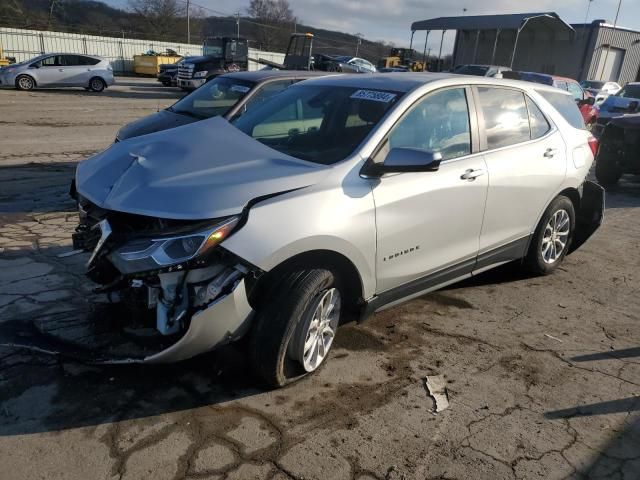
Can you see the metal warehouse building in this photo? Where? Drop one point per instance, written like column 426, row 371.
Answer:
column 542, row 42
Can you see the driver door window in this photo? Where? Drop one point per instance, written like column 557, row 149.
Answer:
column 438, row 123
column 54, row 61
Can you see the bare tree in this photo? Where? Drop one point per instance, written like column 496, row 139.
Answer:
column 160, row 17
column 276, row 20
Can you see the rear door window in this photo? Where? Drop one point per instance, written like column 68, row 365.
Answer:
column 566, row 106
column 539, row 123
column 72, row 60
column 506, row 117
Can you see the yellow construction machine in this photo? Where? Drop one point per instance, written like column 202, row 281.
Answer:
column 402, row 59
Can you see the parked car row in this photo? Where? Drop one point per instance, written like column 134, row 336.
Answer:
column 275, row 206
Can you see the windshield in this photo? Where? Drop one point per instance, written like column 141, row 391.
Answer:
column 321, row 124
column 629, row 91
column 213, row 47
column 472, row 70
column 592, row 84
column 215, row 97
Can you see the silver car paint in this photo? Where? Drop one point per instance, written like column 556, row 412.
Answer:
column 208, row 169
column 58, row 76
column 338, row 209
column 324, row 219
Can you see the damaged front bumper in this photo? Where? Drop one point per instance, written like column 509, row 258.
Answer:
column 224, row 321
column 174, row 278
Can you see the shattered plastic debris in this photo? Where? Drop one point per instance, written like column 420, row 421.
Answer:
column 437, row 387
column 553, row 338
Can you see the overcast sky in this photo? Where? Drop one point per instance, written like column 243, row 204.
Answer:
column 390, row 20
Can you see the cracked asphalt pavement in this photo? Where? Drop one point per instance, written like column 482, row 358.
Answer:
column 543, row 374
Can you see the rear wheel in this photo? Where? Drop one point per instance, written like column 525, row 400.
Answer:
column 25, row 82
column 552, row 238
column 294, row 332
column 96, row 84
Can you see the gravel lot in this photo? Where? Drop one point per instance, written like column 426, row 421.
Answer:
column 543, row 374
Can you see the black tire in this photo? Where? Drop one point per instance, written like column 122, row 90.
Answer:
column 166, row 84
column 96, row 84
column 25, row 82
column 277, row 325
column 607, row 173
column 535, row 261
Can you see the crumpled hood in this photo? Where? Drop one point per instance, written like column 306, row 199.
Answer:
column 162, row 120
column 207, row 169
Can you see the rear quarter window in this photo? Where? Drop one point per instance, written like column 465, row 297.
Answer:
column 566, row 106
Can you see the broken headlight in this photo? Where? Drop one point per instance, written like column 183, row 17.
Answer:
column 144, row 254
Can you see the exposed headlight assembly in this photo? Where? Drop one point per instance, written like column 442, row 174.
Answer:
column 156, row 253
column 201, row 74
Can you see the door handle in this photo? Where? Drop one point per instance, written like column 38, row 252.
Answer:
column 472, row 174
column 550, row 152
column 61, row 69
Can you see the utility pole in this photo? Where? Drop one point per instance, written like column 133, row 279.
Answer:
column 358, row 43
column 613, row 32
column 237, row 24
column 188, row 25
column 52, row 4
column 586, row 17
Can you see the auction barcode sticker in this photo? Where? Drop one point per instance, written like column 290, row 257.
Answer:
column 374, row 95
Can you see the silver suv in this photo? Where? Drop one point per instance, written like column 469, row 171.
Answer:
column 59, row 70
column 336, row 198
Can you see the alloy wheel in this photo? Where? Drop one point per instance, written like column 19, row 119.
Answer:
column 25, row 83
column 556, row 236
column 321, row 330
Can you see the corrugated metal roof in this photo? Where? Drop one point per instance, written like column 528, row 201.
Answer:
column 491, row 22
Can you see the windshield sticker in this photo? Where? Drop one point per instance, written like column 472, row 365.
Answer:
column 374, row 95
column 240, row 88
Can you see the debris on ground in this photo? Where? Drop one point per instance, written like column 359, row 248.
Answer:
column 553, row 338
column 436, row 386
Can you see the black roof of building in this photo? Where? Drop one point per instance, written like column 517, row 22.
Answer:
column 512, row 21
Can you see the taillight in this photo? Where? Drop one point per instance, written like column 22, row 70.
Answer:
column 593, row 144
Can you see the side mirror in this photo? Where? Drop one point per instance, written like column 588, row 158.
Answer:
column 633, row 106
column 400, row 160
column 34, row 65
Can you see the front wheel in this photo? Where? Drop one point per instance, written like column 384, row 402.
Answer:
column 96, row 84
column 294, row 333
column 552, row 238
column 25, row 82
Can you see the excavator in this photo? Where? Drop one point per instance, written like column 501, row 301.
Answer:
column 402, row 58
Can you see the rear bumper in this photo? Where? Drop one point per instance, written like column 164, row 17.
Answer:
column 590, row 215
